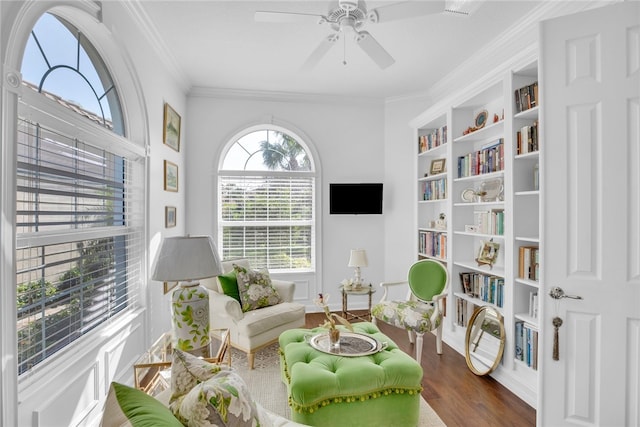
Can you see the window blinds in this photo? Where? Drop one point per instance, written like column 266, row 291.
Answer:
column 268, row 219
column 79, row 224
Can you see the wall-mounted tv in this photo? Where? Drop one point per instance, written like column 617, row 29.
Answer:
column 355, row 199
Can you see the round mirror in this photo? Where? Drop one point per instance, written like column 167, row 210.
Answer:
column 484, row 343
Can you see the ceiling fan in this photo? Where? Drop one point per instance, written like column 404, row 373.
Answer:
column 350, row 17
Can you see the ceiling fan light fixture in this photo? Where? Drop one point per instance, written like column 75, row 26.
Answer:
column 348, row 5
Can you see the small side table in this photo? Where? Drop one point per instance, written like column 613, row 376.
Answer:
column 152, row 370
column 364, row 290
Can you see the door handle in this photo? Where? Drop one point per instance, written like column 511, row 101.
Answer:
column 558, row 293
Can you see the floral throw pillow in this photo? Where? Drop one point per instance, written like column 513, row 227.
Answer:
column 222, row 400
column 187, row 371
column 255, row 288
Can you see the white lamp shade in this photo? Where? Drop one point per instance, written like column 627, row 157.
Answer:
column 186, row 258
column 358, row 258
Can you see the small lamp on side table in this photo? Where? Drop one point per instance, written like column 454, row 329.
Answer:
column 188, row 259
column 358, row 259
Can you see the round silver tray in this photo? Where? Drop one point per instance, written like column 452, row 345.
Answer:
column 352, row 344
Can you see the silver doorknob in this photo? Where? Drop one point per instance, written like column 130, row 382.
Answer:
column 558, row 293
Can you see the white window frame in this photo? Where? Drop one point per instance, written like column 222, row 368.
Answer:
column 52, row 115
column 312, row 173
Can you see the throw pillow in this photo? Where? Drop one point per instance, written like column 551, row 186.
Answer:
column 222, row 400
column 229, row 285
column 188, row 370
column 127, row 406
column 255, row 289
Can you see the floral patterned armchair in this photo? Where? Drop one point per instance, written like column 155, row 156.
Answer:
column 423, row 309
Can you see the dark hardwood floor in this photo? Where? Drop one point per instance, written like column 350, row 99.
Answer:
column 458, row 396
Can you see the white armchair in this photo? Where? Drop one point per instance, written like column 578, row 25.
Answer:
column 258, row 328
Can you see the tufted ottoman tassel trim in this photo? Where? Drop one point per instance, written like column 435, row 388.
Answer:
column 311, row 408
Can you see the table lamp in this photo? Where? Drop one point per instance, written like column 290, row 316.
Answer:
column 188, row 259
column 358, row 259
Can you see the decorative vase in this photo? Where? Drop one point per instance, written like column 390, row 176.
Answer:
column 334, row 340
column 190, row 318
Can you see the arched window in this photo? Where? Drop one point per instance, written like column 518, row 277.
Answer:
column 61, row 62
column 79, row 200
column 266, row 193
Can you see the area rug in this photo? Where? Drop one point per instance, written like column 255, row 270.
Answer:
column 268, row 390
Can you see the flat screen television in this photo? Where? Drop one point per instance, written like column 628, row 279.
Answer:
column 355, row 199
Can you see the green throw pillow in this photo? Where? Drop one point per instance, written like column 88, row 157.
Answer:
column 229, row 284
column 127, row 406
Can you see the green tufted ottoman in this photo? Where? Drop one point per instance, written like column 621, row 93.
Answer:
column 382, row 389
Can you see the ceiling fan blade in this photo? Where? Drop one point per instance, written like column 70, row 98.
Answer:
column 374, row 49
column 405, row 10
column 287, row 17
column 320, row 51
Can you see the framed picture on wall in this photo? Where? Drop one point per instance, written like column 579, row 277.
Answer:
column 171, row 130
column 170, row 176
column 169, row 216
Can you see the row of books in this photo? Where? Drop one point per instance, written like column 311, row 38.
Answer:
column 486, row 288
column 433, row 139
column 432, row 244
column 489, row 222
column 529, row 262
column 490, row 158
column 526, row 339
column 527, row 139
column 435, row 189
column 462, row 313
column 527, row 97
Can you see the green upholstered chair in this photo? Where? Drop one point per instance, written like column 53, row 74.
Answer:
column 423, row 309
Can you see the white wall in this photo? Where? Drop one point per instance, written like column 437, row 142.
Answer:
column 348, row 137
column 400, row 148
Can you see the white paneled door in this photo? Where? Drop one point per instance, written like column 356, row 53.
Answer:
column 590, row 82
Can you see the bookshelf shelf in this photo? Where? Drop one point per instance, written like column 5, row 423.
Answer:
column 488, row 132
column 476, row 301
column 527, row 193
column 468, row 204
column 509, row 150
column 472, row 265
column 527, row 282
column 531, row 113
column 486, row 236
column 529, row 239
column 433, row 177
column 480, row 177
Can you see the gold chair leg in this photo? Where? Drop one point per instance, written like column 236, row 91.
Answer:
column 250, row 358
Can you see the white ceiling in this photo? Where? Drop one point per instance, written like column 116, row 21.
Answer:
column 218, row 44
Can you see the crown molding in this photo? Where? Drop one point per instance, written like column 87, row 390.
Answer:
column 136, row 11
column 513, row 49
column 274, row 96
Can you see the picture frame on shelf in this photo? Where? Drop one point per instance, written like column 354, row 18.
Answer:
column 437, row 166
column 171, row 129
column 481, row 119
column 488, row 254
column 170, row 176
column 169, row 216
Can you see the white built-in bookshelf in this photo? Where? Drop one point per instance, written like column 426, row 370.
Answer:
column 485, row 184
